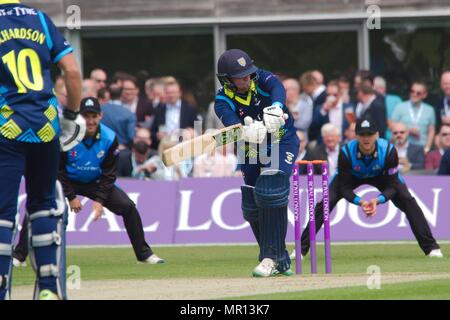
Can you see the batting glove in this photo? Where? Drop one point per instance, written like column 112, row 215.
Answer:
column 274, row 117
column 253, row 131
column 73, row 128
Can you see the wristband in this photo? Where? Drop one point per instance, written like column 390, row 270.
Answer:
column 69, row 114
column 278, row 103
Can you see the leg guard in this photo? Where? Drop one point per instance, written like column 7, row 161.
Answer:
column 250, row 209
column 47, row 245
column 7, row 230
column 272, row 197
column 21, row 248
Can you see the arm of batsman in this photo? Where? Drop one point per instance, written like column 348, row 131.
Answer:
column 253, row 131
column 274, row 117
column 73, row 128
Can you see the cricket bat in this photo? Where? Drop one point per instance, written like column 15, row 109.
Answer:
column 202, row 144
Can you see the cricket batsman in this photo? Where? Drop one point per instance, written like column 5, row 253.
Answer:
column 255, row 98
column 374, row 161
column 29, row 129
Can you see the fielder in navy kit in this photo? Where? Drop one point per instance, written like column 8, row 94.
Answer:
column 256, row 99
column 374, row 161
column 29, row 130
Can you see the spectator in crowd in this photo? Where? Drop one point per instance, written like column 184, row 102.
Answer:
column 155, row 166
column 141, row 77
column 119, row 119
column 410, row 156
column 333, row 110
column 154, row 89
column 361, row 77
column 350, row 133
column 344, row 88
column 89, row 89
column 100, row 78
column 115, row 92
column 174, row 114
column 444, row 168
column 130, row 94
column 221, row 162
column 212, row 120
column 140, row 107
column 318, row 94
column 168, row 80
column 442, row 109
column 433, row 158
column 61, row 92
column 189, row 97
column 390, row 100
column 371, row 105
column 327, row 150
column 104, row 96
column 418, row 116
column 131, row 162
column 299, row 105
column 303, row 143
column 119, row 77
column 319, row 77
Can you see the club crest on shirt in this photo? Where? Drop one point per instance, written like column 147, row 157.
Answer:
column 100, row 154
column 357, row 168
column 376, row 167
column 73, row 153
column 289, row 157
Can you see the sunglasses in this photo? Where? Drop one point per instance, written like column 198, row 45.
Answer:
column 398, row 132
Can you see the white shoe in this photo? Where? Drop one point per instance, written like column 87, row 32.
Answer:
column 17, row 263
column 267, row 268
column 153, row 259
column 292, row 256
column 436, row 253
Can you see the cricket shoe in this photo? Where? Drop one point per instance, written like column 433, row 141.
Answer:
column 292, row 256
column 436, row 253
column 268, row 268
column 287, row 273
column 17, row 263
column 153, row 259
column 48, row 295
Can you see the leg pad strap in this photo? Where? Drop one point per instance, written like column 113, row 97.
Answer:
column 44, row 240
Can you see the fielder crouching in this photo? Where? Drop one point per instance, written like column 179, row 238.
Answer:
column 256, row 99
column 374, row 161
column 89, row 169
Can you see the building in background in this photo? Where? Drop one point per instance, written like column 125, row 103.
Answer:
column 184, row 38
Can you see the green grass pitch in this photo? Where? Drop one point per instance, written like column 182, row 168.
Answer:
column 238, row 262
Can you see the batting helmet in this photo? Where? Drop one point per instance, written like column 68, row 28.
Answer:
column 234, row 63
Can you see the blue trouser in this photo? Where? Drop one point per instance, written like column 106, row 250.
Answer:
column 282, row 157
column 267, row 219
column 39, row 164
